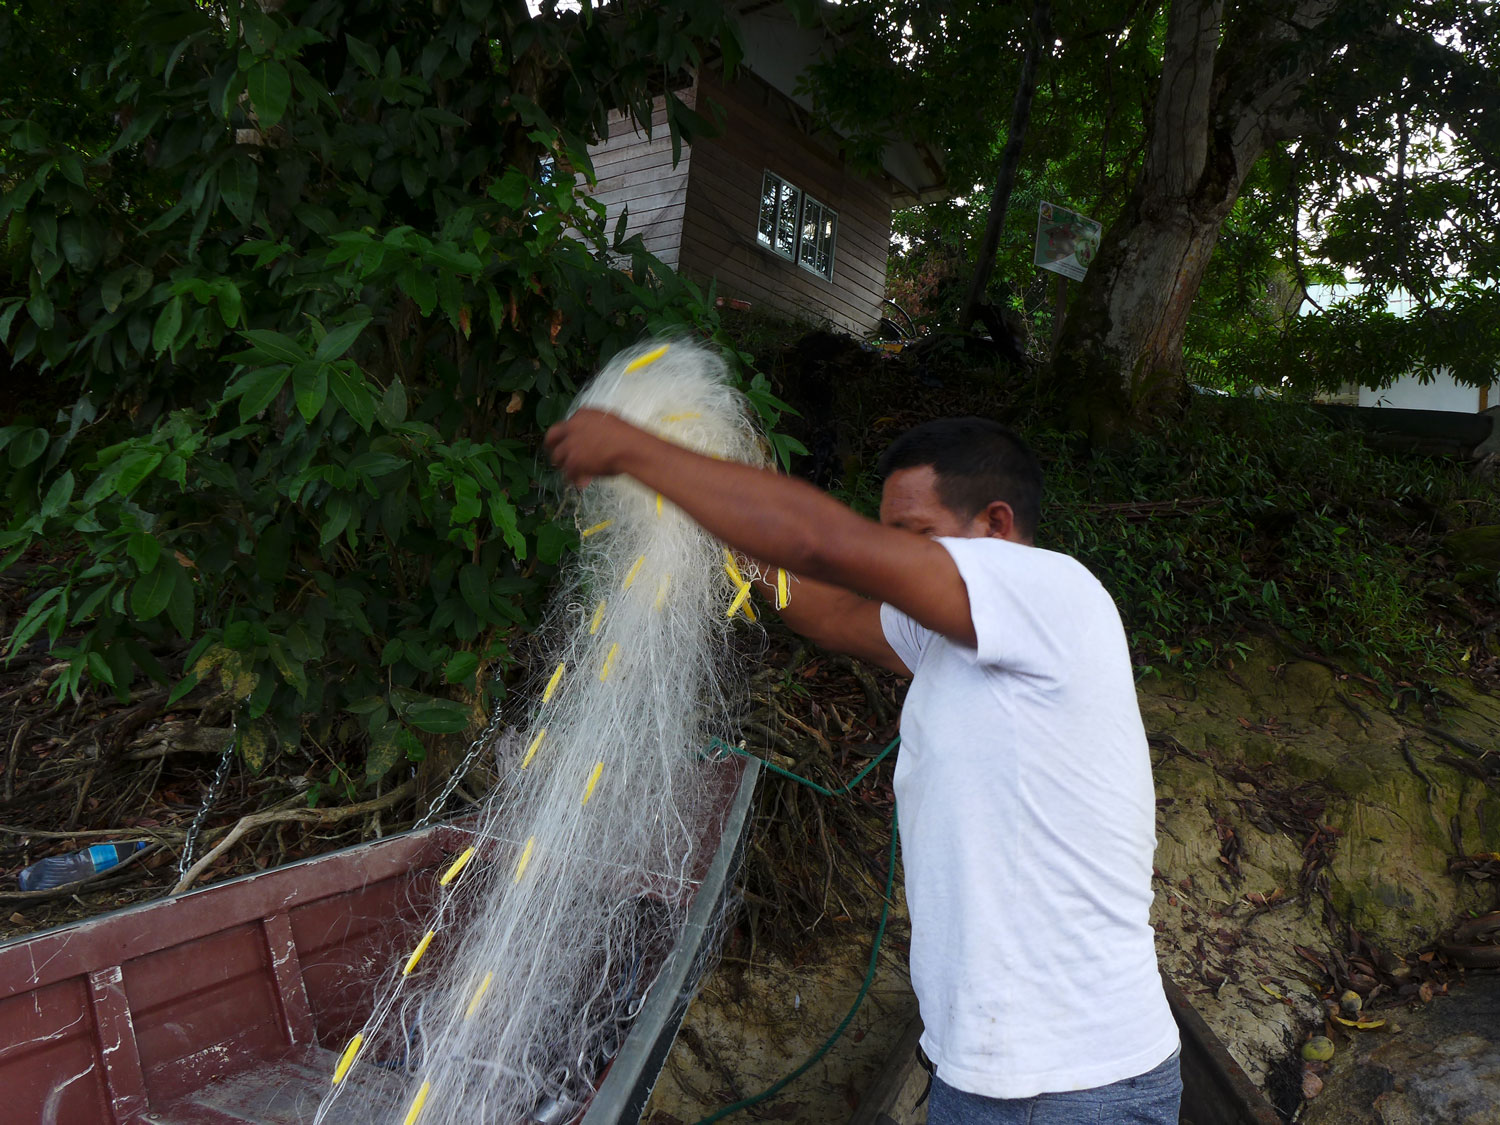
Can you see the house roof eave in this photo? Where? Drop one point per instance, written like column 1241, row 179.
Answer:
column 779, row 51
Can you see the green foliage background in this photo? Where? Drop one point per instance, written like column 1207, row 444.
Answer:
column 1393, row 179
column 288, row 297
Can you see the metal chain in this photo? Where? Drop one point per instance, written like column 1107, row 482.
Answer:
column 215, row 789
column 475, row 749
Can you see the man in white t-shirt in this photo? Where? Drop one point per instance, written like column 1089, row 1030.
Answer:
column 1023, row 784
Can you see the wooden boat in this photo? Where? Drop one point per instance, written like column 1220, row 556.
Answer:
column 229, row 1005
column 1215, row 1090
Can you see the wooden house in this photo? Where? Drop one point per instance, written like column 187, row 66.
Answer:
column 770, row 210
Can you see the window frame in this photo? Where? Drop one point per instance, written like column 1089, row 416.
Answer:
column 785, row 191
column 826, row 214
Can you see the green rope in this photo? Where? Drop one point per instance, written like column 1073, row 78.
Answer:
column 885, row 913
column 722, row 747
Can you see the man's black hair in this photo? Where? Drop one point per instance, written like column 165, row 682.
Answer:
column 976, row 462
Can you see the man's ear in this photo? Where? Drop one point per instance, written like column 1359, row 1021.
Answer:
column 1000, row 518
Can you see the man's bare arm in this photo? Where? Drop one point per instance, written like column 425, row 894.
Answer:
column 835, row 619
column 785, row 522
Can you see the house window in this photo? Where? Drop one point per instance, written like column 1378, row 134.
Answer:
column 796, row 226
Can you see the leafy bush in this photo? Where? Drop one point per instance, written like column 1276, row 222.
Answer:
column 1259, row 516
column 310, row 282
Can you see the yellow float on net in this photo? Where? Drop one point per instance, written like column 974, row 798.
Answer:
column 598, row 617
column 554, row 681
column 416, row 954
column 417, row 1103
column 658, row 505
column 739, row 599
column 346, row 1060
column 458, row 865
column 783, row 593
column 661, row 591
column 531, row 750
column 484, row 986
column 682, row 417
column 749, row 612
column 646, row 360
column 525, row 858
column 595, row 530
column 609, row 661
column 634, row 570
column 588, row 790
column 731, row 569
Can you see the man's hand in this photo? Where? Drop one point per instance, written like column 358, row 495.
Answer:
column 593, row 444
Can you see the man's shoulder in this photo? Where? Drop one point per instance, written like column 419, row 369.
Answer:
column 1003, row 557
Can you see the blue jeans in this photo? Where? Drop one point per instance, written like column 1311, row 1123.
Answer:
column 1152, row 1098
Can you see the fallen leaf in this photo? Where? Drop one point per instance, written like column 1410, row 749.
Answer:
column 1272, row 990
column 1361, row 1024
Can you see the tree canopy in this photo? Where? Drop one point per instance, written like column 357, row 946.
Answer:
column 287, row 292
column 1233, row 152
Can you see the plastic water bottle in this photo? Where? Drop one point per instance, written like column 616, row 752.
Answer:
column 56, row 870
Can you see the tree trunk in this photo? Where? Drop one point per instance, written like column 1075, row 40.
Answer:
column 1010, row 160
column 1121, row 349
column 1223, row 97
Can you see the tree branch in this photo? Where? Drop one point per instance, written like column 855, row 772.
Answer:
column 249, row 823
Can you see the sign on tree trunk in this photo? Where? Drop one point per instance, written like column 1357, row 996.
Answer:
column 1066, row 241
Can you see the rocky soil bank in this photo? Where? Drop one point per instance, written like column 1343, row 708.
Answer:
column 1311, row 839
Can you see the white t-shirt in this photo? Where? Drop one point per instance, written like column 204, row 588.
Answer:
column 1027, row 817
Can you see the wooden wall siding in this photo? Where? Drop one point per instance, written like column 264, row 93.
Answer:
column 723, row 207
column 636, row 172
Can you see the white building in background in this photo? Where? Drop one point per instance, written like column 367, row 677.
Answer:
column 1409, row 392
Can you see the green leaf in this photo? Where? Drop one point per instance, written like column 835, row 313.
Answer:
column 384, row 753
column 353, row 395
column 39, row 308
column 256, row 389
column 167, row 325
column 552, row 540
column 135, row 467
column 237, row 183
column 184, row 687
column 393, row 404
column 144, row 550
column 227, row 297
column 12, row 307
column 310, row 386
column 274, row 346
column 85, row 609
column 421, row 288
column 466, row 506
column 58, row 496
column 33, row 619
column 151, row 593
column 364, row 54
column 460, row 667
column 270, row 88
column 124, row 285
column 473, row 584
column 180, row 607
column 28, row 447
column 438, row 716
column 340, row 510
column 339, row 340
column 81, row 243
column 372, row 464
